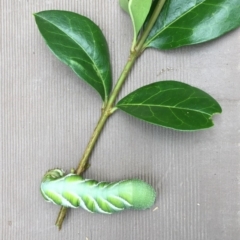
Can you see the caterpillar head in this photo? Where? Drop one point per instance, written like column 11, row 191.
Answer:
column 53, row 174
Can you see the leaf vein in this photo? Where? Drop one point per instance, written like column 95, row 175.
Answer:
column 166, row 26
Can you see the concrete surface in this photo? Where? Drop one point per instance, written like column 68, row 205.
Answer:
column 48, row 114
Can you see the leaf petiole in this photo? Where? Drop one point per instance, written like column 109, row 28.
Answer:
column 140, row 44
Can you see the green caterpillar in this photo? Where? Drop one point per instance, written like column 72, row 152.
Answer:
column 103, row 197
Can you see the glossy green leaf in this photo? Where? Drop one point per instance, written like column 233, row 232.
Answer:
column 124, row 5
column 171, row 104
column 79, row 43
column 187, row 22
column 138, row 10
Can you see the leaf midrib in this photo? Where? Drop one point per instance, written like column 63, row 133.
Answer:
column 153, row 38
column 164, row 106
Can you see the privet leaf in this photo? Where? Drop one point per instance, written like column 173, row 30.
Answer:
column 171, row 104
column 138, row 10
column 79, row 43
column 187, row 22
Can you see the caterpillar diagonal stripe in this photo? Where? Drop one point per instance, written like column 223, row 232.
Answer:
column 102, row 197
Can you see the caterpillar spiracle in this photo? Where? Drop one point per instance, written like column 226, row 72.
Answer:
column 103, row 197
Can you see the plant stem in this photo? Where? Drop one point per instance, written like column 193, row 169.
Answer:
column 139, row 47
column 107, row 111
column 109, row 107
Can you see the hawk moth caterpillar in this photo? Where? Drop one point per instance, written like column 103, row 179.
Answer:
column 73, row 191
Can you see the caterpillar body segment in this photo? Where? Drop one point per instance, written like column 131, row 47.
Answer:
column 102, row 197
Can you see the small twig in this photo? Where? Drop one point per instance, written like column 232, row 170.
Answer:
column 109, row 105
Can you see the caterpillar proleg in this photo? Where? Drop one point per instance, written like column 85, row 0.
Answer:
column 73, row 191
